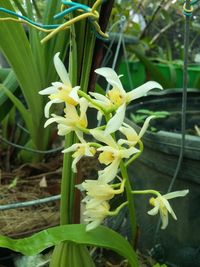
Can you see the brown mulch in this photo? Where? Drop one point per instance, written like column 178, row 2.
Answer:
column 25, row 184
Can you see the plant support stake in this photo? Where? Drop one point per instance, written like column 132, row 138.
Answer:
column 187, row 11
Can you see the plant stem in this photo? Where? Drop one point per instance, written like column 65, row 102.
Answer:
column 130, row 201
column 66, row 184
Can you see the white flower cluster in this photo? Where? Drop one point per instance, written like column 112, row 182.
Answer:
column 111, row 151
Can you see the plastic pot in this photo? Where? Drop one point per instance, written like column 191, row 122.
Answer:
column 155, row 168
column 170, row 72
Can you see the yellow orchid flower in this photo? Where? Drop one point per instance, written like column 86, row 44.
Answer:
column 60, row 92
column 117, row 98
column 161, row 205
column 99, row 191
column 111, row 155
column 95, row 214
column 81, row 150
column 72, row 121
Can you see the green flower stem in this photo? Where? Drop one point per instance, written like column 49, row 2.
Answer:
column 115, row 212
column 129, row 196
column 67, row 174
column 116, row 185
column 94, row 144
column 143, row 192
column 86, row 96
column 72, row 186
column 84, row 130
column 141, row 148
column 66, row 183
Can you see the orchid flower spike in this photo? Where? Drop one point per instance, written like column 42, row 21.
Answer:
column 72, row 121
column 81, row 150
column 111, row 155
column 60, row 92
column 117, row 98
column 161, row 205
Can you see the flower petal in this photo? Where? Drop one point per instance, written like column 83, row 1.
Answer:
column 74, row 93
column 164, row 219
column 48, row 91
column 100, row 97
column 145, row 126
column 126, row 153
column 70, row 149
column 83, row 107
column 153, row 211
column 180, row 193
column 74, row 162
column 109, row 173
column 61, row 70
column 116, row 121
column 64, row 129
column 100, row 136
column 142, row 90
column 49, row 104
column 93, row 225
column 111, row 77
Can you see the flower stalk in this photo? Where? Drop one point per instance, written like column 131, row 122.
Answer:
column 130, row 201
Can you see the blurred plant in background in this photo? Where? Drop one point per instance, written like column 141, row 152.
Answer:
column 31, row 70
column 159, row 47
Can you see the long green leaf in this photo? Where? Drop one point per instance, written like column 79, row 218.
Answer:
column 57, row 44
column 4, row 73
column 24, row 112
column 100, row 237
column 16, row 48
column 11, row 84
column 20, row 7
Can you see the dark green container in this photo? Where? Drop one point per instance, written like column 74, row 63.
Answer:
column 174, row 72
column 139, row 74
column 155, row 168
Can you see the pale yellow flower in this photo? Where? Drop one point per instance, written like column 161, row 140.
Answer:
column 60, row 92
column 95, row 214
column 100, row 191
column 81, row 150
column 117, row 98
column 72, row 121
column 111, row 155
column 161, row 205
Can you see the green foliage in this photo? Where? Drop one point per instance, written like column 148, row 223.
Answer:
column 32, row 65
column 100, row 237
column 142, row 114
column 71, row 254
column 158, row 265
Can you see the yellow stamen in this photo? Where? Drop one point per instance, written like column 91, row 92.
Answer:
column 115, row 96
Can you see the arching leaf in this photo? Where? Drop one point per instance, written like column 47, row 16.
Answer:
column 99, row 237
